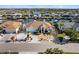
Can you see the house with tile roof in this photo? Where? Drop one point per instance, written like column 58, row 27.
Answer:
column 43, row 25
column 11, row 26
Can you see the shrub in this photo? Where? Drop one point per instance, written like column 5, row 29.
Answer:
column 52, row 51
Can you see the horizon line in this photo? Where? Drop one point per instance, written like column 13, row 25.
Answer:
column 42, row 6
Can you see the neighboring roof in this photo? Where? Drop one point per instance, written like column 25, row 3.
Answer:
column 36, row 12
column 36, row 24
column 68, row 24
column 14, row 14
column 76, row 25
column 11, row 24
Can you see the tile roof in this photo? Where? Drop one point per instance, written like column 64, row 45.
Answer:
column 11, row 25
column 36, row 24
column 76, row 25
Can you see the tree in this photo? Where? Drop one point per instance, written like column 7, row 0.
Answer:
column 57, row 51
column 49, row 51
column 61, row 25
column 61, row 36
column 72, row 34
column 52, row 51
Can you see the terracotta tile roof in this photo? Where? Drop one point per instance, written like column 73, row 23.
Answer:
column 11, row 25
column 36, row 24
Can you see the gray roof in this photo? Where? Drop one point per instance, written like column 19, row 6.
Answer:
column 67, row 24
column 36, row 12
column 76, row 25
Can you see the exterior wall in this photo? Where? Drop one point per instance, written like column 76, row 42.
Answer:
column 30, row 30
column 17, row 30
column 34, row 30
column 11, row 31
column 14, row 16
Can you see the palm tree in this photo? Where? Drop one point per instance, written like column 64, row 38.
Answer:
column 13, row 38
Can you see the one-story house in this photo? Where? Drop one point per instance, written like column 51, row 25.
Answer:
column 11, row 26
column 43, row 25
column 37, row 14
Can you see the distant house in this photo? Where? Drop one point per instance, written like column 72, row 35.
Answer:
column 11, row 26
column 18, row 15
column 43, row 25
column 55, row 20
column 14, row 16
column 53, row 14
column 37, row 14
column 46, row 14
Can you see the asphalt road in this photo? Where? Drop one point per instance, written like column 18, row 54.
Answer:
column 36, row 47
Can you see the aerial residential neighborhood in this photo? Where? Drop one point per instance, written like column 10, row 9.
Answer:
column 37, row 29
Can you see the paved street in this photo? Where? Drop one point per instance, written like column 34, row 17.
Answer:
column 36, row 47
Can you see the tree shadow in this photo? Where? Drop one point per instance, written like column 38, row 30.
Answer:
column 57, row 41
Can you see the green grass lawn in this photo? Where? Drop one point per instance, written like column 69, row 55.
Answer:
column 71, row 52
column 61, row 35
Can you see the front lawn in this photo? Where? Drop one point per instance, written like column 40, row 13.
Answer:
column 56, row 51
column 61, row 35
column 71, row 52
column 65, row 53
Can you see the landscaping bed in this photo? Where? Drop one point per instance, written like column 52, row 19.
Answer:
column 8, row 52
column 71, row 52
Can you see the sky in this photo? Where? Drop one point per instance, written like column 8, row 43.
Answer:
column 41, row 6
